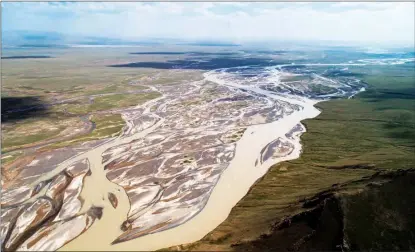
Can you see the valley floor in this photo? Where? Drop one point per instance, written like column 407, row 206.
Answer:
column 160, row 153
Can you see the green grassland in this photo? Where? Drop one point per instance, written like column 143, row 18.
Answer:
column 69, row 73
column 32, row 130
column 5, row 159
column 107, row 125
column 81, row 71
column 107, row 102
column 32, row 138
column 71, row 84
column 351, row 139
column 321, row 89
column 64, row 116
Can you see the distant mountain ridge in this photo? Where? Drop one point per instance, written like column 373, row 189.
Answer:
column 40, row 39
column 25, row 39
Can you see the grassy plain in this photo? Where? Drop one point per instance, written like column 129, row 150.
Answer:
column 65, row 89
column 106, row 125
column 34, row 130
column 71, row 84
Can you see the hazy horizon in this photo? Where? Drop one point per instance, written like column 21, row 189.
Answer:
column 352, row 23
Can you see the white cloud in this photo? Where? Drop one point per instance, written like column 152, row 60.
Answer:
column 347, row 21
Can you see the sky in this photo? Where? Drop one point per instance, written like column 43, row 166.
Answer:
column 237, row 22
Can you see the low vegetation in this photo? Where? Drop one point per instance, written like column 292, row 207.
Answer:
column 86, row 105
column 33, row 130
column 319, row 89
column 63, row 92
column 121, row 101
column 106, row 125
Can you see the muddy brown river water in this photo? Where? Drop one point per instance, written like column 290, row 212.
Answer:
column 233, row 184
column 182, row 162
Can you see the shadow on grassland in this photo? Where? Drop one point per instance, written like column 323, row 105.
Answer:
column 19, row 108
column 27, row 57
column 206, row 64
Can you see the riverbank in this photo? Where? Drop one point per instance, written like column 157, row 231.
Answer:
column 350, row 139
column 244, row 169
